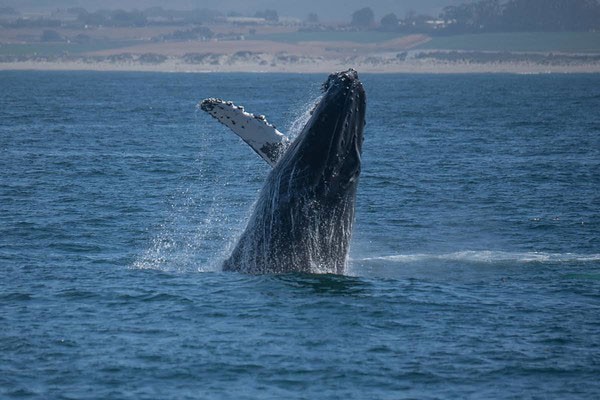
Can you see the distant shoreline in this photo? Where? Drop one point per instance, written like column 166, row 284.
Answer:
column 285, row 52
column 425, row 66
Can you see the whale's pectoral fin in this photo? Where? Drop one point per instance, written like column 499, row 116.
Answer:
column 263, row 137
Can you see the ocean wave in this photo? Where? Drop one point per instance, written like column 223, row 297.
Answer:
column 486, row 256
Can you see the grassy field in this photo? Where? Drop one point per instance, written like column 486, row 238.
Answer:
column 54, row 49
column 583, row 42
column 356, row 37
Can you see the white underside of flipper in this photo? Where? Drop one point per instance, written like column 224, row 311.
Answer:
column 263, row 137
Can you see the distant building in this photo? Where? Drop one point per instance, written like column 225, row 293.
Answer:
column 436, row 23
column 245, row 20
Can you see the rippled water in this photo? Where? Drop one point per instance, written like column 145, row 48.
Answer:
column 475, row 262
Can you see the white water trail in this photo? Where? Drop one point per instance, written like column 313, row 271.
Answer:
column 484, row 257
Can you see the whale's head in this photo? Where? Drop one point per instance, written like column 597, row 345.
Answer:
column 326, row 156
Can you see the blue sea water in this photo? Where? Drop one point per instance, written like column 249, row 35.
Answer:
column 475, row 260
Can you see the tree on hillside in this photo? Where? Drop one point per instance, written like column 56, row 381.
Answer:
column 50, row 35
column 523, row 15
column 127, row 18
column 312, row 18
column 488, row 14
column 552, row 15
column 8, row 11
column 389, row 22
column 363, row 18
column 474, row 17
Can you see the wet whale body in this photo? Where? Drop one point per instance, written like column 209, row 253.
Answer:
column 302, row 221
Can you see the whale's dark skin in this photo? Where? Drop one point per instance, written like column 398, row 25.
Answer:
column 302, row 221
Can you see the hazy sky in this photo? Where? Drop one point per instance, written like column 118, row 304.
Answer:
column 338, row 10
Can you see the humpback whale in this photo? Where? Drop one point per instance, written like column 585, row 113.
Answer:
column 302, row 221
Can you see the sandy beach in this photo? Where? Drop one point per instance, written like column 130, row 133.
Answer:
column 266, row 63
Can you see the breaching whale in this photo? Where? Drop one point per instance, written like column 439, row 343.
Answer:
column 302, row 221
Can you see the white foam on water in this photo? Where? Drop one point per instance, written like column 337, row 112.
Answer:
column 485, row 256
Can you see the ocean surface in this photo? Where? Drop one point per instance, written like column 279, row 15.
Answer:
column 475, row 261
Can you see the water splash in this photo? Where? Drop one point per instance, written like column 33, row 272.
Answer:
column 182, row 238
column 199, row 229
column 298, row 123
